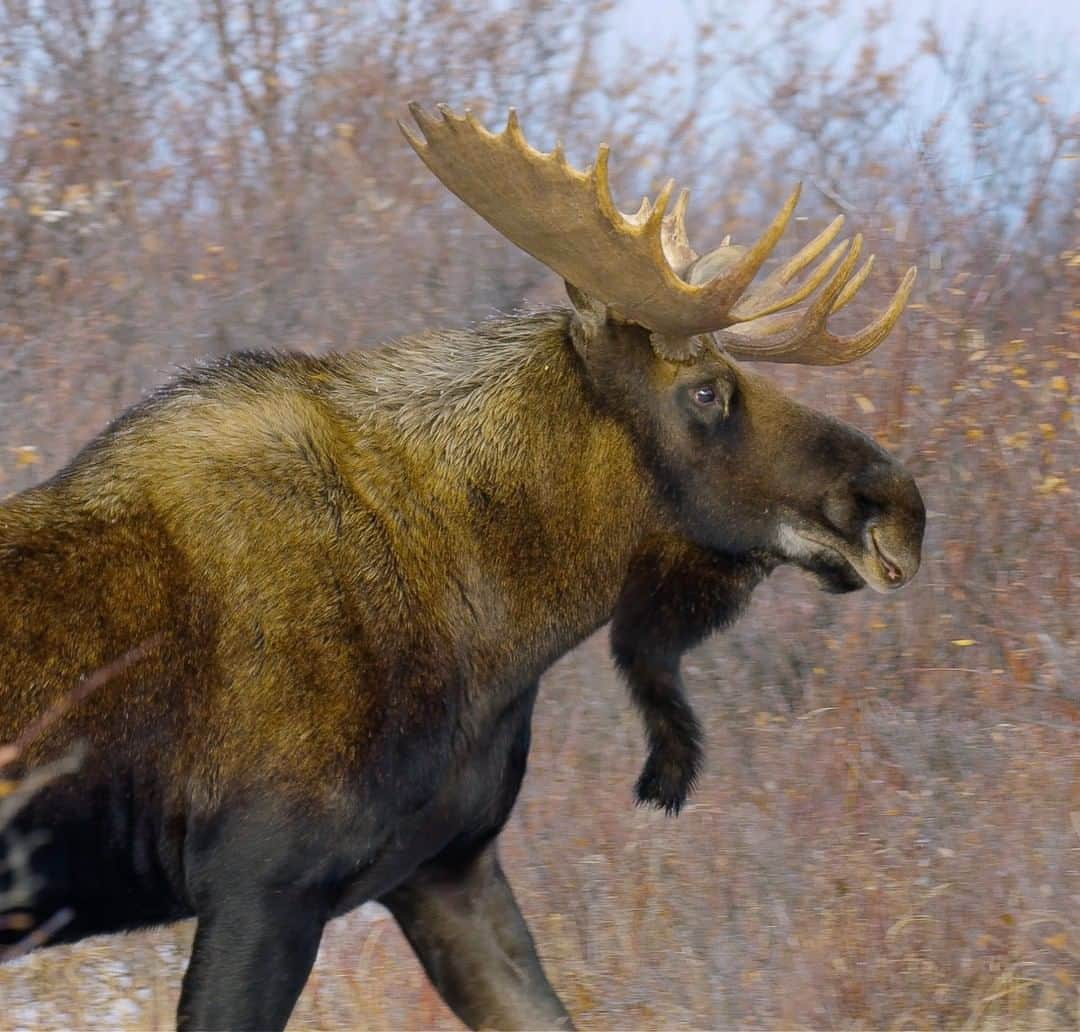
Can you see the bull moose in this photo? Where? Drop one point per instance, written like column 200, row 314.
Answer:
column 335, row 582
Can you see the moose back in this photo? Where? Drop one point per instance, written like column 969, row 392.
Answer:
column 326, row 587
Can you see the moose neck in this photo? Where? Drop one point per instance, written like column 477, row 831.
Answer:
column 537, row 500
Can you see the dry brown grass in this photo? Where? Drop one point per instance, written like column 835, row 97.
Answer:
column 888, row 831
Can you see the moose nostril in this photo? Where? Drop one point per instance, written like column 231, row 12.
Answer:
column 876, row 489
column 840, row 510
column 868, row 504
column 851, row 506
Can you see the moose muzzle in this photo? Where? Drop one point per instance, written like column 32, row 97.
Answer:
column 877, row 522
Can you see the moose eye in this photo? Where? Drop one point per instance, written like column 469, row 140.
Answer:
column 705, row 395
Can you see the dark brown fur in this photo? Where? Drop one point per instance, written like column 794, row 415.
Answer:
column 352, row 571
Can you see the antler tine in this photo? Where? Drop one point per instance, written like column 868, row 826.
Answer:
column 769, row 296
column 856, row 345
column 777, row 333
column 654, row 224
column 598, row 174
column 804, row 339
column 513, row 129
column 808, row 252
column 725, row 289
column 763, row 337
column 676, row 242
column 822, row 305
column 678, row 216
column 765, row 326
column 851, row 288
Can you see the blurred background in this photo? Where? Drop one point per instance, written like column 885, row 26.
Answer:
column 888, row 832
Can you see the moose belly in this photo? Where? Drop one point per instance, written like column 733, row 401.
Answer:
column 470, row 805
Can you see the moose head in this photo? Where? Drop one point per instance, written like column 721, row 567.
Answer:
column 658, row 328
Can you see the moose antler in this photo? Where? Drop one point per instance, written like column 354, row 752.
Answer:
column 636, row 263
column 800, row 335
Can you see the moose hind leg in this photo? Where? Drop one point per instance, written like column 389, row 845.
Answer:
column 465, row 926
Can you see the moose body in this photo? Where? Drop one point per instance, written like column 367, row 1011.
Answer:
column 329, row 586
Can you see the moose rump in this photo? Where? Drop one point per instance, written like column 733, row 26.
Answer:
column 99, row 652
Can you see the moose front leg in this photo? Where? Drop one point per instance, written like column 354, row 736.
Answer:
column 254, row 875
column 463, row 923
column 674, row 595
column 671, row 727
column 251, row 957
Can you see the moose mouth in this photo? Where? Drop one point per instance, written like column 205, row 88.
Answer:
column 838, row 564
column 894, row 573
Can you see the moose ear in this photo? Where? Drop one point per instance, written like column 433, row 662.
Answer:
column 588, row 319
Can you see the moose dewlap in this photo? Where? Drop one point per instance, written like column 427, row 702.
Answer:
column 325, row 588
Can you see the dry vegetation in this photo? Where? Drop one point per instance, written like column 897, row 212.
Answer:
column 888, row 832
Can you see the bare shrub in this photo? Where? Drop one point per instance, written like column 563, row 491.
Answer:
column 885, row 833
